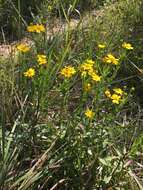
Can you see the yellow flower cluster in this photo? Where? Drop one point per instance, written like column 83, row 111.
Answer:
column 89, row 113
column 23, row 48
column 116, row 97
column 29, row 73
column 110, row 59
column 68, row 71
column 127, row 46
column 41, row 59
column 37, row 28
column 87, row 68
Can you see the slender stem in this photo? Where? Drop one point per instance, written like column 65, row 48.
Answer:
column 3, row 123
column 19, row 19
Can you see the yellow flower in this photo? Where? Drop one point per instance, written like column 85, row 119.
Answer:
column 95, row 77
column 89, row 113
column 86, row 67
column 68, row 71
column 38, row 28
column 116, row 98
column 110, row 59
column 127, row 46
column 41, row 59
column 101, row 46
column 87, row 87
column 90, row 61
column 29, row 73
column 108, row 94
column 118, row 91
column 23, row 48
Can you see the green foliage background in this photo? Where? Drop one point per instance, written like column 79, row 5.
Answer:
column 13, row 13
column 45, row 139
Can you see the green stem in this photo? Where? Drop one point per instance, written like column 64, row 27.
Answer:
column 3, row 124
column 19, row 19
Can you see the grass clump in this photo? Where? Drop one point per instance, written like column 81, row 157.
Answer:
column 67, row 122
column 14, row 15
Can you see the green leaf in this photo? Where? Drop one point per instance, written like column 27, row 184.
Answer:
column 137, row 145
